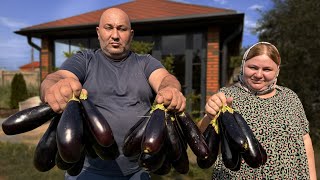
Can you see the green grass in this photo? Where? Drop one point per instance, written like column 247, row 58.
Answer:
column 16, row 163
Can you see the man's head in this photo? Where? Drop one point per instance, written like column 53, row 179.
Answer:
column 115, row 33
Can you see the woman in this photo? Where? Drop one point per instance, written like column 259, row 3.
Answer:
column 275, row 115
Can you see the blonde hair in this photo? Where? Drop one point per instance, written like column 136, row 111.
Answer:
column 263, row 48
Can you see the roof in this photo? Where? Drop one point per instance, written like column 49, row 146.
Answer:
column 138, row 11
column 34, row 64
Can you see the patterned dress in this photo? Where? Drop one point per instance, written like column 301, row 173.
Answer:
column 279, row 124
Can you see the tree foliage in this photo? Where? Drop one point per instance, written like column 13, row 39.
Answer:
column 294, row 27
column 18, row 90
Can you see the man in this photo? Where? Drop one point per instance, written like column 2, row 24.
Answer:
column 120, row 83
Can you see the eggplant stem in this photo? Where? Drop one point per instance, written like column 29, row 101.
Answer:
column 73, row 98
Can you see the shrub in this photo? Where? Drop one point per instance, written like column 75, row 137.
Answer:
column 18, row 90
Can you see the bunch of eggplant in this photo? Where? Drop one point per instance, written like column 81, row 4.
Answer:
column 79, row 131
column 237, row 141
column 160, row 141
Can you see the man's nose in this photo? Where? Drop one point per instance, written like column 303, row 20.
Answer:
column 115, row 34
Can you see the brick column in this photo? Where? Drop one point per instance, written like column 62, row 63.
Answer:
column 213, row 56
column 46, row 57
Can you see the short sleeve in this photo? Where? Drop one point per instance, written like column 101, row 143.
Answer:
column 151, row 64
column 77, row 65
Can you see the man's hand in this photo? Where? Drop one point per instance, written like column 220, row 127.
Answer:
column 171, row 98
column 61, row 92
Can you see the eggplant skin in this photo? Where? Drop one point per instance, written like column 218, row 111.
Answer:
column 106, row 153
column 181, row 165
column 70, row 140
column 213, row 141
column 155, row 133
column 152, row 162
column 173, row 141
column 27, row 119
column 132, row 142
column 46, row 150
column 233, row 132
column 61, row 164
column 230, row 157
column 193, row 135
column 98, row 125
column 76, row 167
column 255, row 156
column 165, row 168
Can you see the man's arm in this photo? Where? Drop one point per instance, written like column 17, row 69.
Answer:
column 310, row 156
column 58, row 87
column 168, row 90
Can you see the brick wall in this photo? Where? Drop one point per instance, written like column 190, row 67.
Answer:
column 46, row 57
column 213, row 57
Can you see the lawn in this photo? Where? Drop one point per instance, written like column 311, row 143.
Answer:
column 16, row 163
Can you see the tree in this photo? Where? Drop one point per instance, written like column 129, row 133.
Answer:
column 18, row 90
column 294, row 27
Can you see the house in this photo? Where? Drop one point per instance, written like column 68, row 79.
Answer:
column 202, row 39
column 30, row 67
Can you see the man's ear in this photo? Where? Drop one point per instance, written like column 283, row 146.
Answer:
column 132, row 34
column 97, row 29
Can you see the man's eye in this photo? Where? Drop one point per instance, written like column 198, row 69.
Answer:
column 122, row 29
column 108, row 28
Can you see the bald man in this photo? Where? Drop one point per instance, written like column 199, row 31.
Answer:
column 122, row 84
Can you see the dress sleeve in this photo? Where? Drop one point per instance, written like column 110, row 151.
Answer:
column 301, row 114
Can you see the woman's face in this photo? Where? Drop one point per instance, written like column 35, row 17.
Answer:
column 259, row 72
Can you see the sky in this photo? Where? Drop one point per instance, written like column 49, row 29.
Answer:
column 16, row 14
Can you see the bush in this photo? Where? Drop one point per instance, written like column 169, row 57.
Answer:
column 19, row 90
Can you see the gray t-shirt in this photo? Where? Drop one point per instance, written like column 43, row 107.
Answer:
column 121, row 92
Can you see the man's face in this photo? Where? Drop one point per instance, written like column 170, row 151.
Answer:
column 115, row 34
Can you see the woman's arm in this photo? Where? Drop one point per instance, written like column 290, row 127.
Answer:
column 310, row 156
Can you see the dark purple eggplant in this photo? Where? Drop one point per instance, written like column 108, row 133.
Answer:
column 46, row 150
column 193, row 135
column 98, row 125
column 132, row 142
column 155, row 132
column 106, row 153
column 135, row 126
column 152, row 162
column 27, row 119
column 172, row 137
column 70, row 140
column 181, row 165
column 88, row 139
column 61, row 164
column 233, row 133
column 184, row 143
column 165, row 168
column 255, row 155
column 231, row 158
column 213, row 141
column 77, row 167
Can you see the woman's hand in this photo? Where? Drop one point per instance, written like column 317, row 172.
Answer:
column 215, row 103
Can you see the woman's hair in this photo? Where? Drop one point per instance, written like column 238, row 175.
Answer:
column 262, row 48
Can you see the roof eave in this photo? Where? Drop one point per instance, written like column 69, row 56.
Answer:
column 35, row 32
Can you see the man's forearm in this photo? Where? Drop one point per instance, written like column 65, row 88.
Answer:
column 170, row 81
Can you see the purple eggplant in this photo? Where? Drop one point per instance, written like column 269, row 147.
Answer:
column 27, row 119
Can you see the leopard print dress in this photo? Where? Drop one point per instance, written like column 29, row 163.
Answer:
column 279, row 124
